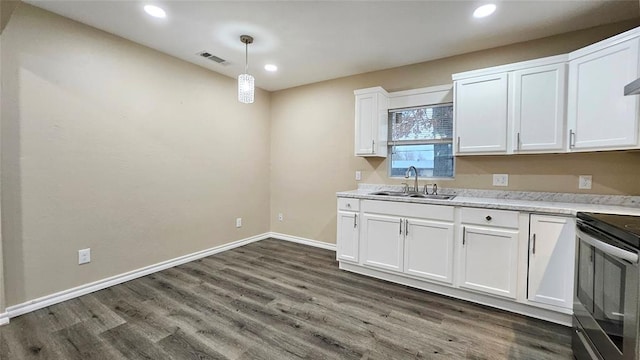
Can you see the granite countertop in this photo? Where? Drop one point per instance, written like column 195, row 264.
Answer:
column 539, row 202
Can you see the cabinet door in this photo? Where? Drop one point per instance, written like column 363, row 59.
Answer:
column 371, row 122
column 599, row 115
column 382, row 240
column 551, row 260
column 428, row 251
column 347, row 240
column 489, row 260
column 537, row 108
column 481, row 114
column 366, row 129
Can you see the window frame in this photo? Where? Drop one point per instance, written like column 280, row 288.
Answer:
column 391, row 143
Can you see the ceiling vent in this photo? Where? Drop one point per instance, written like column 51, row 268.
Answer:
column 210, row 56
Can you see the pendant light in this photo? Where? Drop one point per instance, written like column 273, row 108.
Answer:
column 245, row 81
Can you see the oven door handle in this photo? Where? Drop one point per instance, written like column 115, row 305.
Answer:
column 608, row 249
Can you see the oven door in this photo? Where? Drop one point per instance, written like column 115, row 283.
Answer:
column 606, row 301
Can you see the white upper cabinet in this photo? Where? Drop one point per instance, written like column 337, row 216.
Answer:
column 372, row 107
column 481, row 114
column 537, row 108
column 515, row 108
column 600, row 117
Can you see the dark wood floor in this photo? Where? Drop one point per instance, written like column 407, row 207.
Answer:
column 274, row 300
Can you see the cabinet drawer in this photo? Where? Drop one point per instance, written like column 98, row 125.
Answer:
column 503, row 218
column 348, row 204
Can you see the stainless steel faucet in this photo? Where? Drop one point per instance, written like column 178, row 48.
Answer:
column 434, row 188
column 415, row 182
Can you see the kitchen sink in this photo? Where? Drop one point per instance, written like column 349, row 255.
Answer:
column 432, row 196
column 390, row 193
column 413, row 195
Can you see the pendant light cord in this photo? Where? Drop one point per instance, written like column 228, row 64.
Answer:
column 246, row 39
column 246, row 57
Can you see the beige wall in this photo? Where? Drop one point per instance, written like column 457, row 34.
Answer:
column 312, row 131
column 6, row 9
column 113, row 146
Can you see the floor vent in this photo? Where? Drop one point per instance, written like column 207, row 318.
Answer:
column 210, row 56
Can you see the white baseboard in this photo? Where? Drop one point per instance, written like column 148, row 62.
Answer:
column 40, row 303
column 304, row 241
column 36, row 304
column 4, row 318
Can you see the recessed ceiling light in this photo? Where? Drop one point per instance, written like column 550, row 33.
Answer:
column 155, row 11
column 484, row 10
column 271, row 67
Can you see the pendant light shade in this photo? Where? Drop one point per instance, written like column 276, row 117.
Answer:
column 246, row 88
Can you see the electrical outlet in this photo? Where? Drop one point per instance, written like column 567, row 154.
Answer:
column 584, row 182
column 239, row 222
column 280, row 217
column 84, row 256
column 500, row 179
column 358, row 175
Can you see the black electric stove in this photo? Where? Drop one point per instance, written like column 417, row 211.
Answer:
column 606, row 306
column 626, row 228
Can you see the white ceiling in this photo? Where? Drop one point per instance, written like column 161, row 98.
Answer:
column 312, row 41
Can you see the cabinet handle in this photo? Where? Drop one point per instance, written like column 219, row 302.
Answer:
column 400, row 226
column 488, row 218
column 518, row 142
column 355, row 221
column 458, row 144
column 533, row 250
column 572, row 139
column 406, row 227
column 464, row 232
column 373, row 146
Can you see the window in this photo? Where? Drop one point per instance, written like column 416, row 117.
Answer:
column 422, row 137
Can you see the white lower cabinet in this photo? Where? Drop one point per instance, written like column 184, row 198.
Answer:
column 489, row 260
column 348, row 237
column 551, row 249
column 414, row 239
column 508, row 259
column 428, row 249
column 382, row 241
column 489, row 255
column 347, row 243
